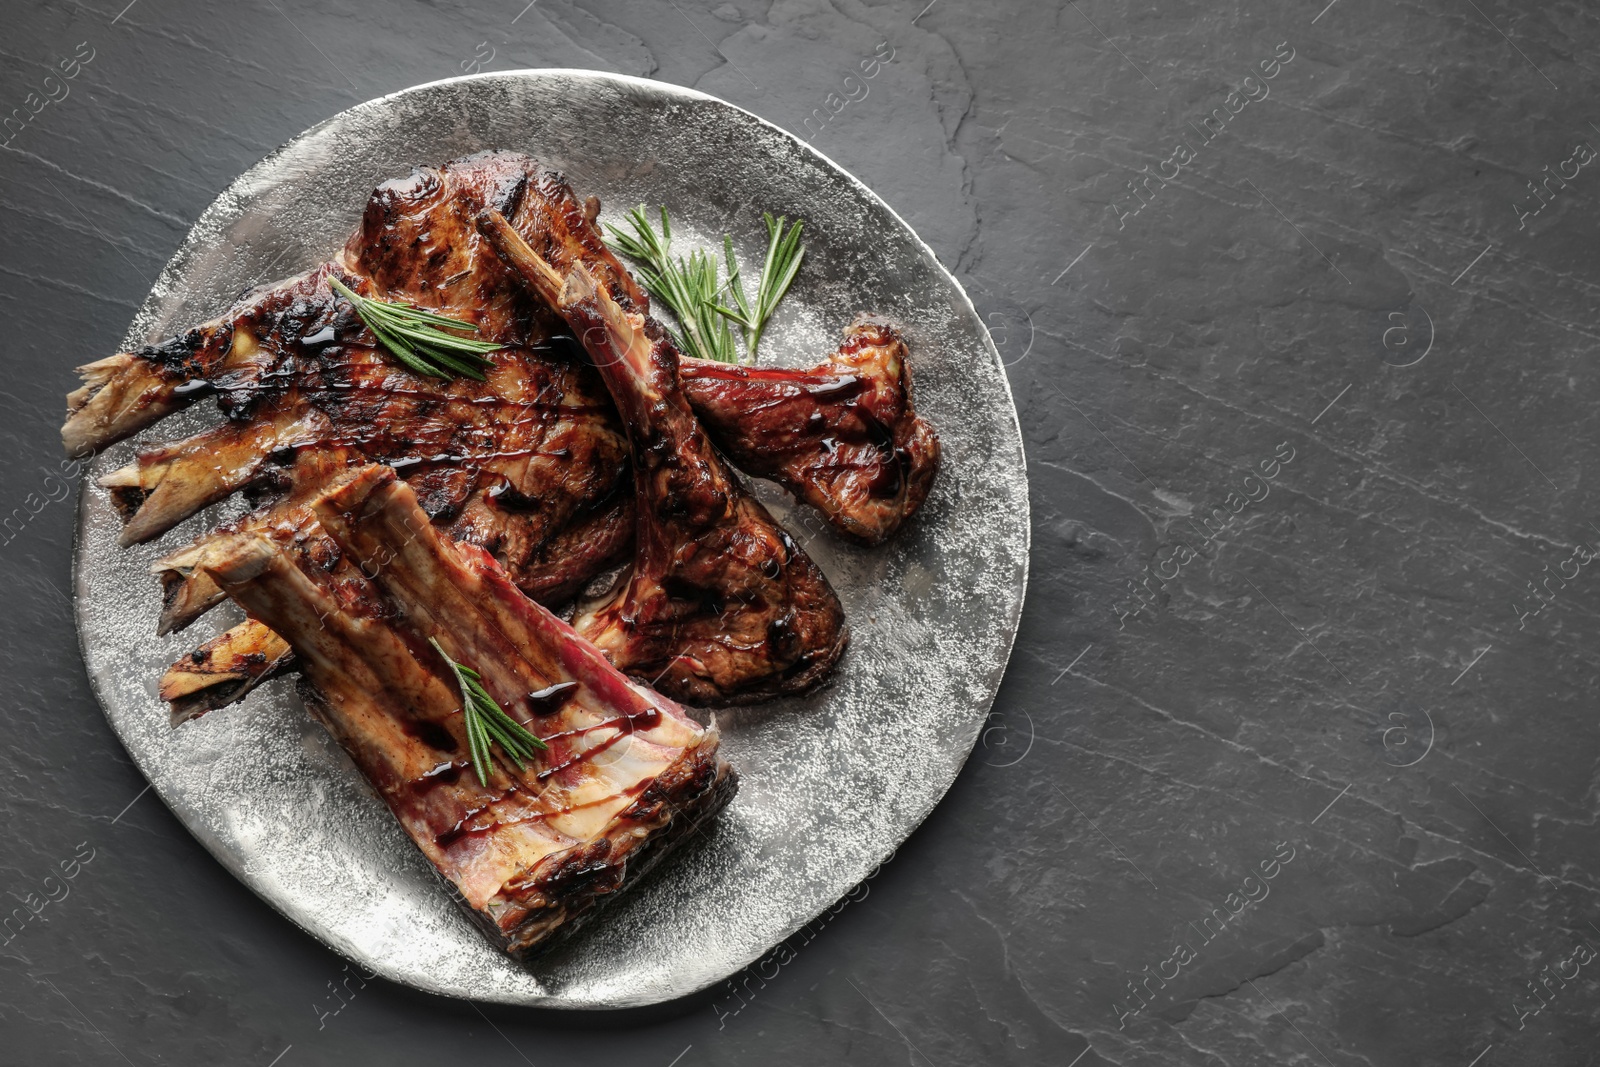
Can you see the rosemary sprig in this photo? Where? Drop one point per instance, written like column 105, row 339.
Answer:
column 687, row 286
column 487, row 722
column 421, row 340
column 784, row 253
column 691, row 291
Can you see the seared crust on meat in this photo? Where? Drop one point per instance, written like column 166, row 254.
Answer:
column 555, row 466
column 721, row 605
column 626, row 774
column 844, row 436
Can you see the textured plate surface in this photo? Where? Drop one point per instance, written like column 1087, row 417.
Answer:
column 831, row 783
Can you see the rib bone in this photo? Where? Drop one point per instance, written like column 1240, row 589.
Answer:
column 626, row 775
column 720, row 605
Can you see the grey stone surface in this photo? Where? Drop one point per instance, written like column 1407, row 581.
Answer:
column 1344, row 668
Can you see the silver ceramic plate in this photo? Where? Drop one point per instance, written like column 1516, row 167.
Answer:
column 831, row 783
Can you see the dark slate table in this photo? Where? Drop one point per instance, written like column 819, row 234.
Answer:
column 1296, row 759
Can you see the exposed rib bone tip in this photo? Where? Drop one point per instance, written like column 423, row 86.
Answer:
column 242, row 559
column 76, row 441
column 147, row 523
column 122, row 478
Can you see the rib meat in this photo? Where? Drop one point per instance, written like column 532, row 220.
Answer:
column 224, row 669
column 530, row 464
column 844, row 436
column 514, row 463
column 626, row 775
column 720, row 603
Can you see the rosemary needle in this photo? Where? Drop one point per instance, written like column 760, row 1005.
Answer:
column 487, row 722
column 690, row 289
column 784, row 253
column 688, row 286
column 422, row 340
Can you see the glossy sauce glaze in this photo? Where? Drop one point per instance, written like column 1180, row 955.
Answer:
column 712, row 569
column 527, row 848
column 844, row 436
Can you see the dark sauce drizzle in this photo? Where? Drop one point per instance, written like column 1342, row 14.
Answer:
column 625, row 725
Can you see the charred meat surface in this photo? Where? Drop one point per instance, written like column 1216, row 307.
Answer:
column 510, row 463
column 223, row 670
column 533, row 464
column 530, row 464
column 626, row 773
column 402, row 527
column 844, row 437
column 720, row 605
